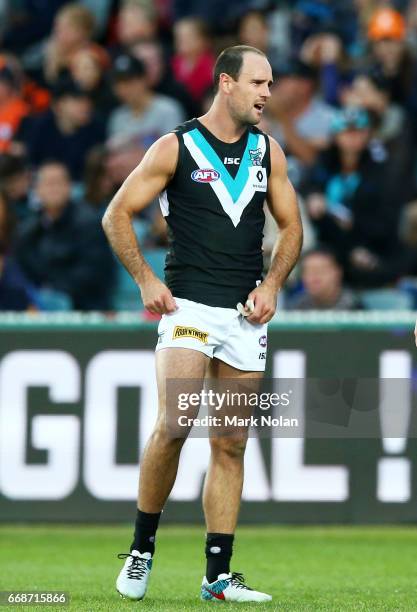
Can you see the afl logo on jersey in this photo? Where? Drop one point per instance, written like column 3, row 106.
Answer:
column 205, row 175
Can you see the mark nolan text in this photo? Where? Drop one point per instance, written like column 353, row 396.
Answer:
column 235, row 421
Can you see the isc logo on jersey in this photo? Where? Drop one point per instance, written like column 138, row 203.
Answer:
column 205, row 175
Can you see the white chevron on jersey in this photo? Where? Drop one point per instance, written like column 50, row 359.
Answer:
column 233, row 210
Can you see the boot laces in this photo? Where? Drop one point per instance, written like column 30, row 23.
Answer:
column 137, row 568
column 237, row 580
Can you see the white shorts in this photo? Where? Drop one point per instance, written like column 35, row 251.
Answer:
column 217, row 332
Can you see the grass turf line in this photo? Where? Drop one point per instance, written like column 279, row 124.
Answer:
column 326, row 569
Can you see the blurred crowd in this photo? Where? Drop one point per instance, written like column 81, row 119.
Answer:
column 87, row 87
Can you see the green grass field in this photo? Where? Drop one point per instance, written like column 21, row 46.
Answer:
column 328, row 569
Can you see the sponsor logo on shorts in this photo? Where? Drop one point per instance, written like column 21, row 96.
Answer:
column 263, row 341
column 189, row 332
column 205, row 175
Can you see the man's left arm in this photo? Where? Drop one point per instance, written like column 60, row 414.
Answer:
column 282, row 203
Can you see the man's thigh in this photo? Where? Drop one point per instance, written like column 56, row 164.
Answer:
column 178, row 370
column 239, row 388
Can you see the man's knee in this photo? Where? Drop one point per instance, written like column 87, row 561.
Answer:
column 163, row 439
column 228, row 448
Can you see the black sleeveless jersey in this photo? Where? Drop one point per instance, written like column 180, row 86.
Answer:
column 214, row 210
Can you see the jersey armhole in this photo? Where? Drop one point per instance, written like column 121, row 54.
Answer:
column 268, row 154
column 178, row 134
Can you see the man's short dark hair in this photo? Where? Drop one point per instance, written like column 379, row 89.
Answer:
column 11, row 166
column 230, row 61
column 65, row 87
column 324, row 251
column 53, row 162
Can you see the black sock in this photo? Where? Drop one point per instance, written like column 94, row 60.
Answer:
column 145, row 529
column 218, row 554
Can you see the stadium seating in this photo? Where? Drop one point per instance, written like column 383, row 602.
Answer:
column 386, row 299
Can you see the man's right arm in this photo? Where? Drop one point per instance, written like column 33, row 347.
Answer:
column 139, row 189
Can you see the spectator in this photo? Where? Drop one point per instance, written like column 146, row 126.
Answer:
column 63, row 247
column 253, row 30
column 121, row 159
column 15, row 179
column 88, row 69
column 316, row 17
column 36, row 96
column 12, row 107
column 101, row 9
column 392, row 130
column 220, row 15
column 99, row 186
column 297, row 117
column 411, row 18
column 371, row 92
column 29, row 21
column 66, row 132
column 322, row 278
column 408, row 239
column 136, row 21
column 73, row 30
column 160, row 78
column 123, row 155
column 144, row 116
column 392, row 58
column 355, row 202
column 325, row 52
column 7, row 225
column 193, row 61
column 101, row 108
column 15, row 292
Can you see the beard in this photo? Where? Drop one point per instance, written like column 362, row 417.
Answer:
column 243, row 116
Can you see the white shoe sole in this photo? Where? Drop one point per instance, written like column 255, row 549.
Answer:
column 130, row 598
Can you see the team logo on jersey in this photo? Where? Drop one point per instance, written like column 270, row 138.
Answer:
column 205, row 175
column 263, row 341
column 255, row 157
column 189, row 332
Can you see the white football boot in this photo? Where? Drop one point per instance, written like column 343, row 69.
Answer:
column 132, row 581
column 230, row 587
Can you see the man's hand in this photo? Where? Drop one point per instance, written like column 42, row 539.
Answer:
column 320, row 49
column 363, row 259
column 264, row 298
column 316, row 205
column 156, row 296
